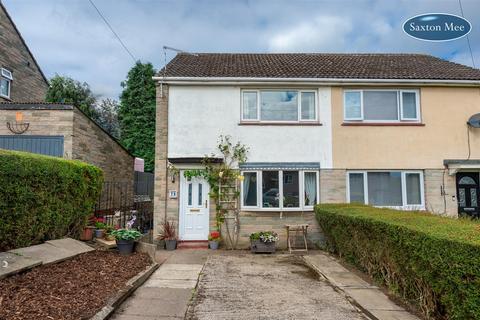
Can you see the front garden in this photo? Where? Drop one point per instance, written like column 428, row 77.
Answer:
column 430, row 261
column 70, row 290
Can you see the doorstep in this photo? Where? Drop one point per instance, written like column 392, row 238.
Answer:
column 369, row 298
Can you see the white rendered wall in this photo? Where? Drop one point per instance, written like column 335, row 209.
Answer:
column 198, row 115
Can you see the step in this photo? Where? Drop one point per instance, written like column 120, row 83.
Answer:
column 201, row 244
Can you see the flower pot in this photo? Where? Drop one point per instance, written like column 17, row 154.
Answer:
column 99, row 233
column 213, row 245
column 109, row 237
column 161, row 244
column 87, row 234
column 125, row 247
column 258, row 246
column 170, row 244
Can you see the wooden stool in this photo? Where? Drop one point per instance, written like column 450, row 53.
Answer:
column 297, row 228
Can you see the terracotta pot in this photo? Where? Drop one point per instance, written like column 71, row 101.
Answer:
column 87, row 234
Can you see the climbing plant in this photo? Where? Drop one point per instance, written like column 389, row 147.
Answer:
column 224, row 181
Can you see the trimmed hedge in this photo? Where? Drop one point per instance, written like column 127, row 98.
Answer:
column 44, row 198
column 430, row 261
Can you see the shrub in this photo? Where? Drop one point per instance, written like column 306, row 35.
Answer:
column 44, row 197
column 430, row 261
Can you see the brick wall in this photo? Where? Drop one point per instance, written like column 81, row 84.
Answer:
column 93, row 145
column 28, row 83
column 43, row 122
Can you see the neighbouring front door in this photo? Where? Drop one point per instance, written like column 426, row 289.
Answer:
column 194, row 208
column 467, row 193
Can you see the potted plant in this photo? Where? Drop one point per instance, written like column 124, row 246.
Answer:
column 214, row 239
column 99, row 228
column 125, row 239
column 87, row 233
column 109, row 233
column 169, row 235
column 263, row 242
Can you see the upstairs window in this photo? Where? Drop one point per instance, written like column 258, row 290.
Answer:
column 279, row 106
column 382, row 105
column 6, row 78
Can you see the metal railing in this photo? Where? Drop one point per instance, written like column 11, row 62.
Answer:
column 118, row 205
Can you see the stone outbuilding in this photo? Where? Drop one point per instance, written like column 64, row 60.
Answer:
column 63, row 130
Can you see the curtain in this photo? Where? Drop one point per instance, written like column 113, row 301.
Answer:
column 246, row 187
column 310, row 187
column 384, row 188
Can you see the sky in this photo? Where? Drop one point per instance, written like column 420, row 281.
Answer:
column 68, row 37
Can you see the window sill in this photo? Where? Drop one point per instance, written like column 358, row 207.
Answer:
column 280, row 124
column 383, row 124
column 251, row 209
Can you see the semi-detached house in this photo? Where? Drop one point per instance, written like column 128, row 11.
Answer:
column 387, row 130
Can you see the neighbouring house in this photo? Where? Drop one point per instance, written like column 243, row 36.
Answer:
column 21, row 78
column 29, row 124
column 62, row 130
column 388, row 130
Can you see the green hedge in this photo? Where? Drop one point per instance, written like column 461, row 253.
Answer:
column 44, row 198
column 430, row 261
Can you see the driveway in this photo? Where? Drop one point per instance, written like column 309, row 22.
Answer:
column 245, row 286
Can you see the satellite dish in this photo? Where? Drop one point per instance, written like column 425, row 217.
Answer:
column 474, row 121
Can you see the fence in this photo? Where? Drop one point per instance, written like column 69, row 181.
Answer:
column 122, row 203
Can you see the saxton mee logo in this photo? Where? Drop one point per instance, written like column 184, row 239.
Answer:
column 437, row 27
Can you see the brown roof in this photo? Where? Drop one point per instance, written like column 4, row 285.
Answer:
column 318, row 65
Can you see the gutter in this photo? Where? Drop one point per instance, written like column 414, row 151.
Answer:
column 306, row 81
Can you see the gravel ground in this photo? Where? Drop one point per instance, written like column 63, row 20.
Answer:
column 73, row 289
column 245, row 286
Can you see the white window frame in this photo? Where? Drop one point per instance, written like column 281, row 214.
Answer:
column 404, row 205
column 299, row 106
column 345, row 117
column 301, row 190
column 6, row 75
column 400, row 119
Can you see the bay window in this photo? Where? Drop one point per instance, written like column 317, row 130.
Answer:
column 279, row 190
column 384, row 105
column 399, row 189
column 272, row 105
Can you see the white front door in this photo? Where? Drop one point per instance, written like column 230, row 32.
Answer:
column 194, row 208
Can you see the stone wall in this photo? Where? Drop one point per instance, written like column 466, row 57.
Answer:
column 44, row 122
column 28, row 82
column 161, row 160
column 435, row 202
column 93, row 145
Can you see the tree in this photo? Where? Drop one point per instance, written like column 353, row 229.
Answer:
column 107, row 112
column 66, row 90
column 137, row 113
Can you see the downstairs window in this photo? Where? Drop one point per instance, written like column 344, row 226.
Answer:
column 398, row 189
column 273, row 190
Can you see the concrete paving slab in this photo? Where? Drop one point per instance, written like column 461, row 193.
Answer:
column 182, row 267
column 106, row 244
column 346, row 279
column 44, row 252
column 176, row 274
column 72, row 245
column 163, row 294
column 11, row 263
column 393, row 315
column 175, row 284
column 145, row 307
column 187, row 256
column 130, row 317
column 372, row 299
